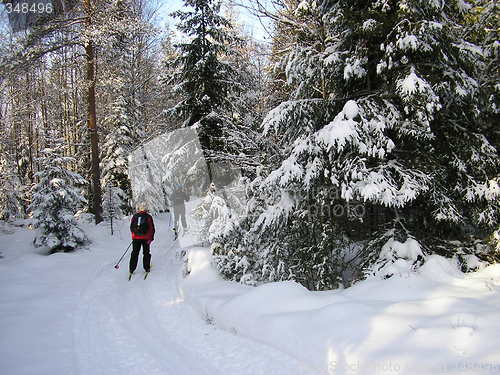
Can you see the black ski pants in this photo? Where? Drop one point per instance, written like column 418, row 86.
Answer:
column 146, row 255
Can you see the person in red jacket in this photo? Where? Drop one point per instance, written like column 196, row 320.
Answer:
column 142, row 228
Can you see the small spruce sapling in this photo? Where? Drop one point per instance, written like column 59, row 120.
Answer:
column 56, row 198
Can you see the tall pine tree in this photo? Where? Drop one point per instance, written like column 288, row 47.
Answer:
column 117, row 146
column 204, row 78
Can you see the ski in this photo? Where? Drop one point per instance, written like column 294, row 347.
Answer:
column 146, row 275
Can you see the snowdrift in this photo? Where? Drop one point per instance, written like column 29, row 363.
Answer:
column 430, row 321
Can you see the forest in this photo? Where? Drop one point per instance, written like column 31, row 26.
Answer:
column 360, row 125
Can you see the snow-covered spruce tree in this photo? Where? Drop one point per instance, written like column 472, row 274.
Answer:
column 246, row 103
column 482, row 24
column 166, row 69
column 10, row 188
column 127, row 70
column 407, row 148
column 212, row 212
column 204, row 78
column 287, row 232
column 244, row 144
column 56, row 198
column 125, row 77
column 216, row 209
column 117, row 146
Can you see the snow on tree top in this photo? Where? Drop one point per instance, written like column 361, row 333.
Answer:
column 350, row 110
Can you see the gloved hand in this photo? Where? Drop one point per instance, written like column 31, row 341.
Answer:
column 149, row 242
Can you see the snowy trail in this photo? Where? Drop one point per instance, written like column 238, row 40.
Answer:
column 74, row 314
column 145, row 327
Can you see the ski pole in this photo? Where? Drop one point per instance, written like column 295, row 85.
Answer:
column 117, row 264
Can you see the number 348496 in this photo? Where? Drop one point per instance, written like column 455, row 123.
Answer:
column 31, row 7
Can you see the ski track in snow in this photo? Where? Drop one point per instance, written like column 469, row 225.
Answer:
column 143, row 327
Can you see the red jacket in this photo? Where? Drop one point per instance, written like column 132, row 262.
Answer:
column 150, row 234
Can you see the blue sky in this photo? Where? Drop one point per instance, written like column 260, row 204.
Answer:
column 251, row 22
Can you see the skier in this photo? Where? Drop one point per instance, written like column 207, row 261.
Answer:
column 143, row 232
column 179, row 196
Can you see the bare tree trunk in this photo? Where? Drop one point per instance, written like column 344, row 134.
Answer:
column 92, row 123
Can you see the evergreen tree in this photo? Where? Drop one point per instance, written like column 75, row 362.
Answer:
column 205, row 78
column 168, row 98
column 117, row 146
column 243, row 141
column 11, row 189
column 216, row 209
column 385, row 115
column 124, row 76
column 482, row 24
column 10, row 197
column 56, row 198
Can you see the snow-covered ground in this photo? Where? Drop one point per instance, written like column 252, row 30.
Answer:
column 75, row 314
column 436, row 321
